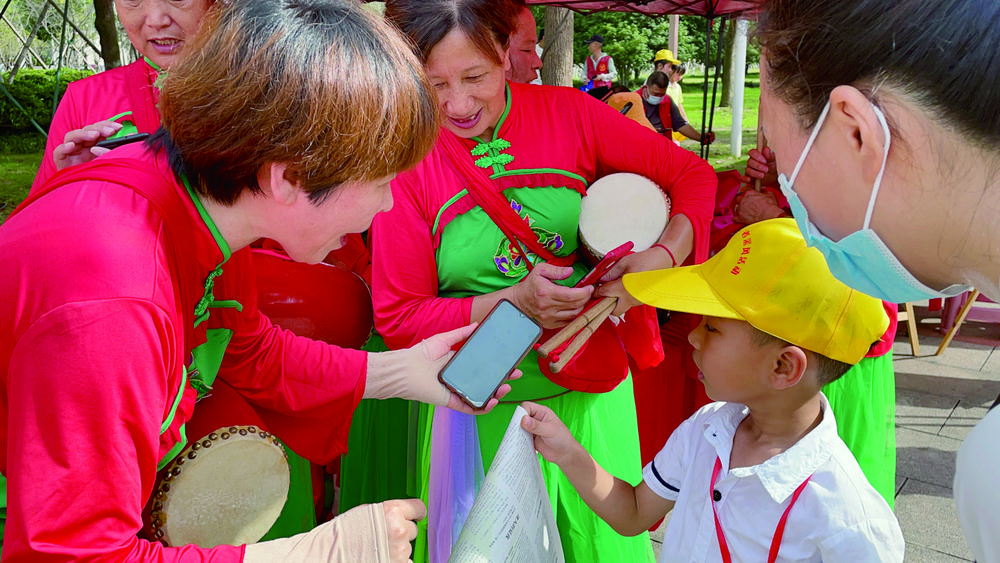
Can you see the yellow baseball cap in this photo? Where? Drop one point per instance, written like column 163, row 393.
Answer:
column 768, row 277
column 665, row 55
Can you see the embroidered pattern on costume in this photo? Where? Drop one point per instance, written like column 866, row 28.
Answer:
column 508, row 258
column 493, row 156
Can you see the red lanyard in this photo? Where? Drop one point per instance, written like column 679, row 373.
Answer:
column 778, row 532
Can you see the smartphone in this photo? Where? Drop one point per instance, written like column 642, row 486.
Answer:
column 496, row 347
column 119, row 141
column 606, row 263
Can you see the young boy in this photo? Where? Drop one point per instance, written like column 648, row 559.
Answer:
column 760, row 475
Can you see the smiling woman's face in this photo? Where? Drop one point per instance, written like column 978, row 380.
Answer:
column 470, row 86
column 159, row 29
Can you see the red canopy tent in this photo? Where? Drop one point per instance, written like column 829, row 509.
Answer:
column 709, row 9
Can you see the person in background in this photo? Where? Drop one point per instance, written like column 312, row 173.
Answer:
column 663, row 113
column 441, row 258
column 121, row 101
column 676, row 93
column 600, row 66
column 128, row 285
column 664, row 61
column 525, row 57
column 909, row 209
column 764, row 462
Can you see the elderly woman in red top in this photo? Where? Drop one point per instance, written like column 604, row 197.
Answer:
column 121, row 101
column 128, row 286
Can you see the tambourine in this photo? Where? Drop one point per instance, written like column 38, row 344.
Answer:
column 622, row 207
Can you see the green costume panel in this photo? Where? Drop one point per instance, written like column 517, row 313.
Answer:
column 864, row 404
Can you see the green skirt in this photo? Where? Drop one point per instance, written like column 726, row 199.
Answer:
column 864, row 404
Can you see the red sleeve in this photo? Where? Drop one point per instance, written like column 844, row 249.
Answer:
column 885, row 343
column 623, row 145
column 87, row 394
column 404, row 269
column 305, row 390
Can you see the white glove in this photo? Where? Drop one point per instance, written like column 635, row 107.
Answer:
column 413, row 373
column 604, row 77
column 370, row 533
column 358, row 535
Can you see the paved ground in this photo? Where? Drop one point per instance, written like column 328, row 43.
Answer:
column 938, row 400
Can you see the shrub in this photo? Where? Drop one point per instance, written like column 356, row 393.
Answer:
column 21, row 142
column 33, row 89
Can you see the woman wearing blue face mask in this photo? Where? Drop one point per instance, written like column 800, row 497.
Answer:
column 888, row 149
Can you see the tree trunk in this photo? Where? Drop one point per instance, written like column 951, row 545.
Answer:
column 557, row 59
column 726, row 99
column 675, row 29
column 105, row 23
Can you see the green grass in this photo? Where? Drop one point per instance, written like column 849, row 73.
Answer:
column 17, row 171
column 719, row 156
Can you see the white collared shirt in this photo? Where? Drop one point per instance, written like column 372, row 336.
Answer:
column 838, row 516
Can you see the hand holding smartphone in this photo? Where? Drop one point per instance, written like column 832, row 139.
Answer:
column 606, row 263
column 489, row 356
column 119, row 141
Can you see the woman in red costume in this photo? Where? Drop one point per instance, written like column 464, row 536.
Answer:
column 121, row 101
column 440, row 261
column 128, row 284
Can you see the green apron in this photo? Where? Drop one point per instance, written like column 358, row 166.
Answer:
column 864, row 403
column 474, row 258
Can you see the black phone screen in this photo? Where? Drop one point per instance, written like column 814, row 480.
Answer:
column 120, row 141
column 499, row 343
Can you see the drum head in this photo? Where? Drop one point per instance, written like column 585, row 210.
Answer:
column 619, row 208
column 226, row 489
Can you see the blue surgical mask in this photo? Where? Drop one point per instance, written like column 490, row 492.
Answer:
column 655, row 100
column 860, row 259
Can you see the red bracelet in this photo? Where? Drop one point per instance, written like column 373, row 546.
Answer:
column 672, row 259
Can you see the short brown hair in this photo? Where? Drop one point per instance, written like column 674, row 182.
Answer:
column 426, row 22
column 828, row 370
column 322, row 85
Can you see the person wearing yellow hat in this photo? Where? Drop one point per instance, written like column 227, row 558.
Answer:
column 764, row 462
column 663, row 60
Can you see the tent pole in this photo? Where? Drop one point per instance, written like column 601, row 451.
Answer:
column 703, row 150
column 62, row 48
column 738, row 69
column 715, row 81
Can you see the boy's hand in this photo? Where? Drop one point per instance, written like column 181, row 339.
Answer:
column 552, row 439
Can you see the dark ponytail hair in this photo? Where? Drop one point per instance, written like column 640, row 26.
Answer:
column 943, row 55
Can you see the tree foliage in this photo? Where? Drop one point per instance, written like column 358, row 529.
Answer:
column 632, row 39
column 33, row 89
column 22, row 16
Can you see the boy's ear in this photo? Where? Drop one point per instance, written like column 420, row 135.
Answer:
column 789, row 368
